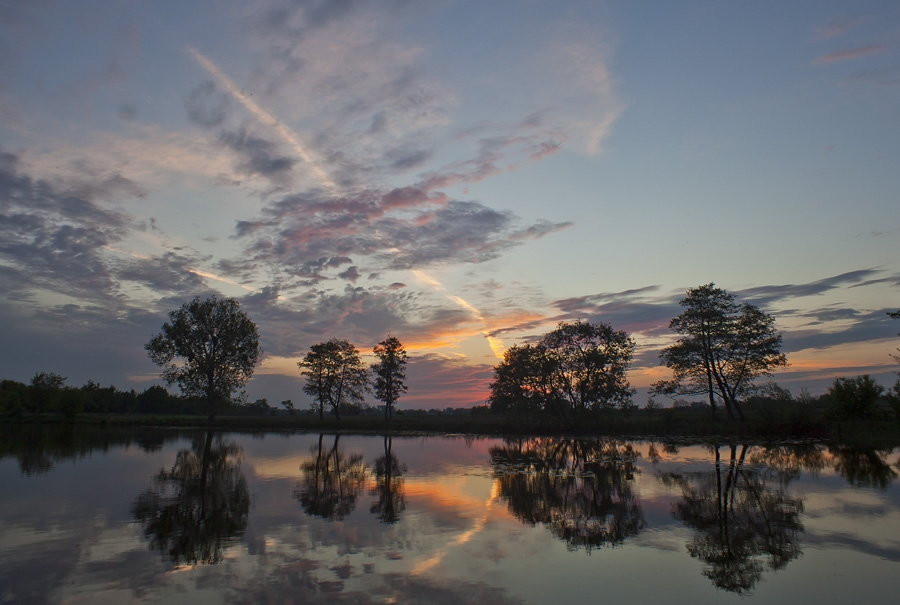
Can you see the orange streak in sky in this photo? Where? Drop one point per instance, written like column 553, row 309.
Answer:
column 496, row 345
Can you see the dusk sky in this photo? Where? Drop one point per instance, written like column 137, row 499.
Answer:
column 460, row 175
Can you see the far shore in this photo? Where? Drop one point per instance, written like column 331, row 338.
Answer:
column 658, row 425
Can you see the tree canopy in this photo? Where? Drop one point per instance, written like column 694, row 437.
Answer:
column 722, row 347
column 389, row 373
column 208, row 348
column 577, row 367
column 335, row 375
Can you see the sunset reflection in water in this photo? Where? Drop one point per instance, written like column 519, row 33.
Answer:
column 443, row 519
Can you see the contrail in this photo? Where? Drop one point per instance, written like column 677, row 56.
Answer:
column 197, row 272
column 265, row 117
column 462, row 538
column 494, row 343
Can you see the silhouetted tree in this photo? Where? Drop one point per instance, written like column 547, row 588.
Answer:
column 742, row 522
column 388, row 486
column 523, row 381
column 335, row 375
column 13, row 397
column 199, row 506
column 389, row 373
column 45, row 394
column 580, row 489
column 895, row 315
column 209, row 348
column 575, row 368
column 722, row 347
column 331, row 481
column 853, row 398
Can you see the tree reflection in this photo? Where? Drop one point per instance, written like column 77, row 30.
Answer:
column 332, row 481
column 863, row 467
column 196, row 508
column 579, row 489
column 388, row 486
column 742, row 517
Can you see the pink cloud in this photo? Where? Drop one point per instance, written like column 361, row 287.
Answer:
column 849, row 54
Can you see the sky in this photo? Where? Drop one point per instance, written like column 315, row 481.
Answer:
column 461, row 175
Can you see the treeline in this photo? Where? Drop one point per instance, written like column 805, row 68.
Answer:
column 48, row 393
column 577, row 372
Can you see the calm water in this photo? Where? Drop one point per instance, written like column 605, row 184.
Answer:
column 197, row 517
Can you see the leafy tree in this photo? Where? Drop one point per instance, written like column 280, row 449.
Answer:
column 575, row 368
column 589, row 363
column 335, row 375
column 46, row 392
column 722, row 347
column 209, row 348
column 854, row 398
column 389, row 373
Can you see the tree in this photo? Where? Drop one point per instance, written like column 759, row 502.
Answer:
column 522, row 382
column 854, row 398
column 209, row 348
column 46, row 391
column 577, row 367
column 895, row 315
column 335, row 375
column 721, row 349
column 389, row 373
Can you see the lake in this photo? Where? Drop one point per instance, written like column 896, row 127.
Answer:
column 92, row 516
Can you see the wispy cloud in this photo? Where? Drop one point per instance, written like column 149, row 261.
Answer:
column 834, row 28
column 849, row 54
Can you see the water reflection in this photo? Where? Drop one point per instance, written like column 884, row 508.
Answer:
column 199, row 506
column 863, row 467
column 581, row 489
column 388, row 486
column 39, row 448
column 332, row 480
column 743, row 519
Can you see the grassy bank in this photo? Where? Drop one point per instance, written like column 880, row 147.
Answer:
column 662, row 424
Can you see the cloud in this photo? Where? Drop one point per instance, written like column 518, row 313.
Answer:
column 54, row 234
column 863, row 326
column 257, row 155
column 834, row 28
column 849, row 54
column 350, row 274
column 767, row 295
column 207, row 106
column 170, row 272
column 403, row 228
column 439, row 382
